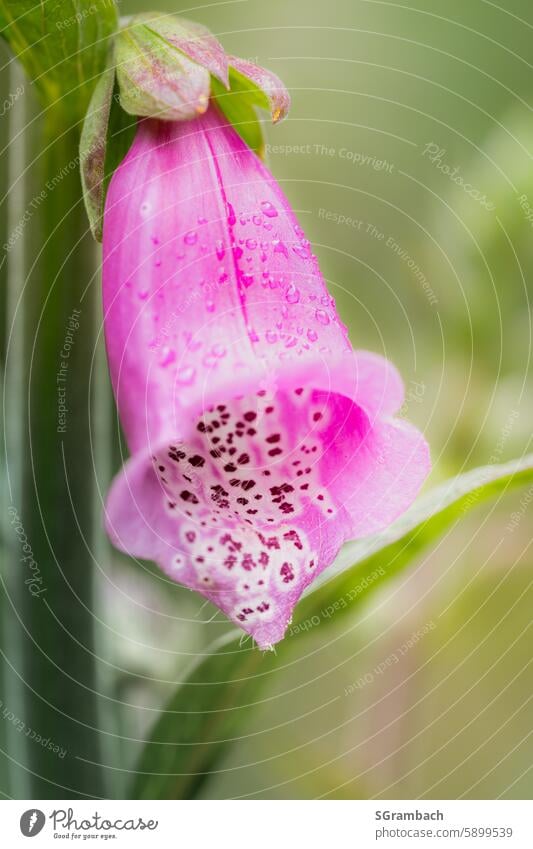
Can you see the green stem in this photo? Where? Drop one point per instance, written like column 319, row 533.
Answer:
column 51, row 591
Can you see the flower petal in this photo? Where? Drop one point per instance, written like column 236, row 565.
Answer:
column 259, row 438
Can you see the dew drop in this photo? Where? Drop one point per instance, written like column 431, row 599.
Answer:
column 145, row 209
column 322, row 317
column 251, row 244
column 143, row 294
column 280, row 247
column 271, row 337
column 191, row 237
column 210, row 306
column 219, row 248
column 202, row 220
column 231, row 215
column 269, row 209
column 218, row 350
column 301, row 251
column 292, row 294
column 186, row 375
column 257, row 220
column 247, row 280
column 312, row 335
column 168, row 355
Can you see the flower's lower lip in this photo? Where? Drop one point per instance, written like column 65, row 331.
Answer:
column 261, row 488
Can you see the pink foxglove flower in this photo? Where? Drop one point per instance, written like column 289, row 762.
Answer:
column 260, row 440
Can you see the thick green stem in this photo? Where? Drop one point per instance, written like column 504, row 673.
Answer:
column 51, row 590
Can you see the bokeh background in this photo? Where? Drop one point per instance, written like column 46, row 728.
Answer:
column 408, row 154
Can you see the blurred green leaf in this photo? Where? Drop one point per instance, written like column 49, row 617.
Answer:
column 201, row 720
column 364, row 565
column 203, row 717
column 62, row 46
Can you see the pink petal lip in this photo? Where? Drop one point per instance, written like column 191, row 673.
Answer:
column 260, row 440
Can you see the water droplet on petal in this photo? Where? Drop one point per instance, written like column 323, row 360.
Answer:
column 292, row 294
column 247, row 280
column 302, row 251
column 168, row 355
column 269, row 209
column 237, row 252
column 191, row 237
column 186, row 375
column 145, row 209
column 271, row 337
column 210, row 306
column 143, row 294
column 322, row 317
column 219, row 248
column 231, row 215
column 251, row 244
column 257, row 220
column 218, row 350
column 202, row 220
column 280, row 247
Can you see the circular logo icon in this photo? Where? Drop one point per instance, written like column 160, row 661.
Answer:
column 32, row 822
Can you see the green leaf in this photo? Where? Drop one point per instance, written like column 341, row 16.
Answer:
column 105, row 139
column 62, row 46
column 205, row 715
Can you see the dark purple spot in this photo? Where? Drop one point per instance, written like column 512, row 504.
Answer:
column 197, row 461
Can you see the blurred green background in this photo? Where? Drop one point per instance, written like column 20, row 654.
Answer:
column 406, row 153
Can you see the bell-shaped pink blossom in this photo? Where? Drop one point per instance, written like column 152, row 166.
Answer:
column 260, row 440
